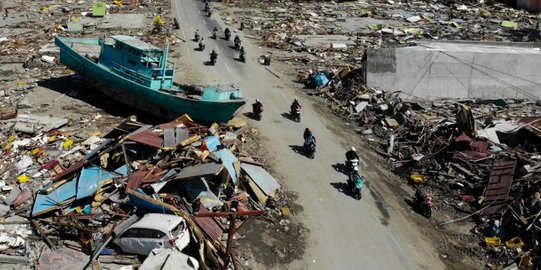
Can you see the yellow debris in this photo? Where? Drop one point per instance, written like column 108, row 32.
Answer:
column 493, row 241
column 117, row 2
column 23, row 178
column 158, row 21
column 35, row 151
column 417, row 178
column 52, row 139
column 68, row 143
column 286, row 212
column 514, row 242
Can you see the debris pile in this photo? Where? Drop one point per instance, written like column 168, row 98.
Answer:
column 94, row 195
column 333, row 33
column 479, row 157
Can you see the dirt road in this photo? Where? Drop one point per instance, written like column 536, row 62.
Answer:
column 343, row 233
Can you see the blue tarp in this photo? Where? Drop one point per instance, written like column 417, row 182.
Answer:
column 90, row 178
column 47, row 202
column 212, row 142
column 86, row 185
column 320, row 79
column 228, row 159
column 145, row 203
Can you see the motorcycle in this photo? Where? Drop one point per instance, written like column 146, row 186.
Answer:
column 209, row 13
column 227, row 35
column 176, row 25
column 257, row 109
column 423, row 203
column 213, row 59
column 215, row 34
column 196, row 37
column 355, row 183
column 237, row 45
column 201, row 46
column 296, row 113
column 242, row 57
column 310, row 148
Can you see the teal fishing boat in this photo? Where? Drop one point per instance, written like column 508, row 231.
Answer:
column 138, row 74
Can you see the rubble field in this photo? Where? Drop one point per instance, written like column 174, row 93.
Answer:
column 76, row 168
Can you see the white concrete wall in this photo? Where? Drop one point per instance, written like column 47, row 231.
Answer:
column 432, row 74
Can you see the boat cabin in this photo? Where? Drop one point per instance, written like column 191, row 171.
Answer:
column 138, row 61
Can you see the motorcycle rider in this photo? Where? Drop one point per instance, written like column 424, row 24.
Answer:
column 175, row 23
column 423, row 202
column 242, row 52
column 209, row 11
column 202, row 44
column 227, row 33
column 295, row 105
column 352, row 154
column 207, row 6
column 309, row 139
column 215, row 32
column 196, row 35
column 213, row 55
column 237, row 42
column 257, row 107
column 308, row 135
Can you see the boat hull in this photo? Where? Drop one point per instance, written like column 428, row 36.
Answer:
column 139, row 96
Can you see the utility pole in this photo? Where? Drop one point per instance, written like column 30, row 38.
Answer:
column 232, row 215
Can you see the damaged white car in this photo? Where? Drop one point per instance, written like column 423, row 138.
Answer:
column 151, row 232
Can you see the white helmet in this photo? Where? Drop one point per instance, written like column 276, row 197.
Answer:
column 257, row 100
column 353, row 148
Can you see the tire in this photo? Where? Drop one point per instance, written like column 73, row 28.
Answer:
column 427, row 212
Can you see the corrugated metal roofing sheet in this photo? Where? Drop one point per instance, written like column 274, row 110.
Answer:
column 209, row 225
column 147, row 137
column 498, row 187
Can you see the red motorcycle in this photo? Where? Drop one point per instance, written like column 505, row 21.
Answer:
column 296, row 113
column 422, row 202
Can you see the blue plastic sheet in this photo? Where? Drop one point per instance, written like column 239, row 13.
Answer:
column 211, row 141
column 320, row 79
column 228, row 159
column 90, row 178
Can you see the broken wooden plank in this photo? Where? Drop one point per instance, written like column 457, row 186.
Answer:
column 42, row 233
